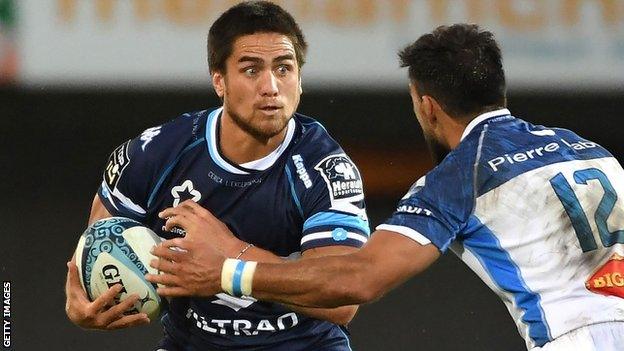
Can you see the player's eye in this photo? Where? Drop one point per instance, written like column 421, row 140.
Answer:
column 283, row 70
column 250, row 71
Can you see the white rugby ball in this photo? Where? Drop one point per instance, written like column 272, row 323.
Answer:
column 116, row 251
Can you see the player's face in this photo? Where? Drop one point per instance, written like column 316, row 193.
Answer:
column 261, row 85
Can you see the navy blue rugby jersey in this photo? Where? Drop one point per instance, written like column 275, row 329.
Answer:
column 305, row 194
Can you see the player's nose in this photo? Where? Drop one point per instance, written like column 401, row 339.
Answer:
column 268, row 84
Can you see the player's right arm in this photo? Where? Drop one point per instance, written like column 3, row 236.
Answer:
column 387, row 260
column 126, row 180
column 98, row 314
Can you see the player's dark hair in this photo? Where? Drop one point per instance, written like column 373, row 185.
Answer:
column 460, row 66
column 247, row 18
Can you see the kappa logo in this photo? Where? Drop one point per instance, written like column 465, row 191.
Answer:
column 183, row 192
column 301, row 171
column 148, row 135
column 342, row 178
column 117, row 162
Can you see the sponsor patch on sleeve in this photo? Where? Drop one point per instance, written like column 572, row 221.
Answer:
column 117, row 162
column 342, row 178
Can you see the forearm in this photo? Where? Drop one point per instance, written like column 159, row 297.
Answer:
column 340, row 315
column 387, row 260
column 327, row 282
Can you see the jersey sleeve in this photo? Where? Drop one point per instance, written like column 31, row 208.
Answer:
column 129, row 173
column 330, row 198
column 124, row 188
column 436, row 208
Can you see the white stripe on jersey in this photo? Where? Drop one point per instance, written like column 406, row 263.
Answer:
column 328, row 235
column 476, row 265
column 406, row 231
column 127, row 202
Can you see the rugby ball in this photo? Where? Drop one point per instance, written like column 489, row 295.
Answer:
column 116, row 250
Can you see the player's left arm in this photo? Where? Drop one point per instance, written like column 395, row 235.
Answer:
column 338, row 315
column 386, row 261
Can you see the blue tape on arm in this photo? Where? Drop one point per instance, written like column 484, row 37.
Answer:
column 236, row 279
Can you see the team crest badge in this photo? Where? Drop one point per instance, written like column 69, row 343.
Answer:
column 609, row 278
column 342, row 178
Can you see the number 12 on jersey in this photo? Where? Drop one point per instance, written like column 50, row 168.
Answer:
column 579, row 220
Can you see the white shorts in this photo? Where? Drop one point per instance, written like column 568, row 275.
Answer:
column 607, row 336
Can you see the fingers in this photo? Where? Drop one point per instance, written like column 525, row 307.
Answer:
column 179, row 210
column 163, row 266
column 197, row 209
column 166, row 251
column 106, row 299
column 163, row 279
column 179, row 220
column 76, row 296
column 188, row 207
column 132, row 320
column 117, row 311
column 73, row 278
column 176, row 244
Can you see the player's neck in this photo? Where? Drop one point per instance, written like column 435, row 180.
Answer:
column 454, row 134
column 239, row 146
column 451, row 130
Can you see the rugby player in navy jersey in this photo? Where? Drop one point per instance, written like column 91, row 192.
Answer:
column 273, row 177
column 536, row 212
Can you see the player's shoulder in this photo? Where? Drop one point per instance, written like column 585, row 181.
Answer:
column 313, row 142
column 173, row 134
column 157, row 146
column 507, row 151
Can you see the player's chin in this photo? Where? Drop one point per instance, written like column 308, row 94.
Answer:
column 270, row 127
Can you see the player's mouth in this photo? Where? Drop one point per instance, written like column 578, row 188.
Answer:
column 270, row 108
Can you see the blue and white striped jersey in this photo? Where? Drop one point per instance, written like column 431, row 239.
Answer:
column 305, row 194
column 534, row 211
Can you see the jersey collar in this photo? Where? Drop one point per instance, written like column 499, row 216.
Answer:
column 248, row 167
column 482, row 117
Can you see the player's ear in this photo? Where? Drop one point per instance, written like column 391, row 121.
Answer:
column 427, row 108
column 300, row 88
column 218, row 83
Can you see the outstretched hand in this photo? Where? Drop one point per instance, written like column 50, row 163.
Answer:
column 191, row 266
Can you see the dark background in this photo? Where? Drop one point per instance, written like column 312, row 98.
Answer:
column 54, row 144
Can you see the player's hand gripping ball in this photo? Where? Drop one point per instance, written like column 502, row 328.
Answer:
column 116, row 250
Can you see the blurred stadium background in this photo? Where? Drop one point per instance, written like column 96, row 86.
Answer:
column 79, row 77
